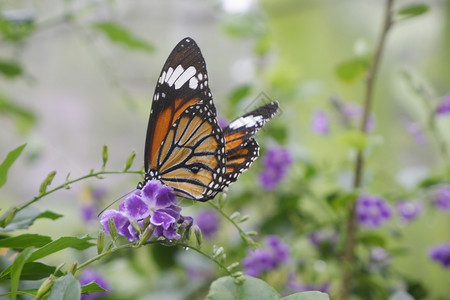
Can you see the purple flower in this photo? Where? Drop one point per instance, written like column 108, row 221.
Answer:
column 444, row 106
column 156, row 203
column 441, row 254
column 372, row 211
column 416, row 131
column 409, row 210
column 441, row 197
column 88, row 276
column 319, row 123
column 265, row 259
column 208, row 221
column 276, row 162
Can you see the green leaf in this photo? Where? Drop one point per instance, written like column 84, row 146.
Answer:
column 36, row 271
column 313, row 295
column 372, row 239
column 10, row 68
column 352, row 69
column 252, row 288
column 354, row 138
column 7, row 163
column 240, row 93
column 120, row 35
column 55, row 246
column 60, row 244
column 16, row 270
column 91, row 288
column 26, row 217
column 413, row 10
column 24, row 241
column 24, row 117
column 65, row 288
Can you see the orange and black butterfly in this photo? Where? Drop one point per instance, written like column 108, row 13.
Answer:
column 186, row 148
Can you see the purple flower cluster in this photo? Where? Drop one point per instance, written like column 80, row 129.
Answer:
column 156, row 204
column 372, row 211
column 319, row 123
column 208, row 222
column 444, row 106
column 276, row 162
column 441, row 254
column 441, row 197
column 265, row 259
column 409, row 210
column 89, row 276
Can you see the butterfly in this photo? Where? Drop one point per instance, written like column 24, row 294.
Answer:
column 185, row 147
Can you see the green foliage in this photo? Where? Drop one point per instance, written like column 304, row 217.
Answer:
column 24, row 241
column 91, row 288
column 251, row 288
column 25, row 118
column 8, row 161
column 122, row 36
column 412, row 10
column 352, row 69
column 26, row 217
column 16, row 270
column 10, row 68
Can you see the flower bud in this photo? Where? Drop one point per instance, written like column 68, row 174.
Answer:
column 47, row 181
column 222, row 200
column 146, row 234
column 45, row 287
column 234, row 216
column 8, row 217
column 233, row 266
column 112, row 229
column 73, row 268
column 100, row 242
column 129, row 161
column 104, row 156
column 198, row 235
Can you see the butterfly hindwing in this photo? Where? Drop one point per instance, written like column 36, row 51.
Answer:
column 239, row 131
column 240, row 160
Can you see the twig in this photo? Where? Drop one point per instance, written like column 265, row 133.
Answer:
column 351, row 225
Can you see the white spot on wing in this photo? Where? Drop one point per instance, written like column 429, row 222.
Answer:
column 185, row 76
column 193, row 83
column 174, row 76
column 248, row 121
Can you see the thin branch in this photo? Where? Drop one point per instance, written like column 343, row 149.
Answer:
column 351, row 225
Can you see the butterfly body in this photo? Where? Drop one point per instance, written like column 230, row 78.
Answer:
column 185, row 147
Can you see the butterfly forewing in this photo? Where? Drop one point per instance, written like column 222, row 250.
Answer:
column 183, row 82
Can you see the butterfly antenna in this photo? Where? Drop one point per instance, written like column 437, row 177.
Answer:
column 109, row 205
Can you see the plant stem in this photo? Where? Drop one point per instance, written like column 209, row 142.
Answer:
column 69, row 182
column 242, row 233
column 351, row 225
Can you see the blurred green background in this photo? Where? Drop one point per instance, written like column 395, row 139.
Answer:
column 72, row 81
